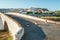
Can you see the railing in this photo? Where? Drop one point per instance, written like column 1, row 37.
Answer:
column 13, row 26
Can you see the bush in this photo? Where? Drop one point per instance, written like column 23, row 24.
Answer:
column 37, row 13
column 9, row 37
column 29, row 12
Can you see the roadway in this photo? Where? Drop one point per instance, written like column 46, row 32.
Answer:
column 31, row 30
column 41, row 31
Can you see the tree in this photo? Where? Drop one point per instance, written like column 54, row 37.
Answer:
column 29, row 13
column 57, row 13
column 37, row 13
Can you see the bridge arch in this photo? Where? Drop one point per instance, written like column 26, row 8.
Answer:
column 6, row 26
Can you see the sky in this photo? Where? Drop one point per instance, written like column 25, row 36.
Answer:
column 49, row 4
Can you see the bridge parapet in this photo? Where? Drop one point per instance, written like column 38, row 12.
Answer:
column 13, row 26
column 36, row 19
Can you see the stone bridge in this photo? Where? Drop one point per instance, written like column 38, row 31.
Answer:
column 14, row 27
column 7, row 23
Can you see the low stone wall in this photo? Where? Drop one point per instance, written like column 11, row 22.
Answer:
column 33, row 18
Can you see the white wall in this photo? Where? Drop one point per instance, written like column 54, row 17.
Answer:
column 1, row 25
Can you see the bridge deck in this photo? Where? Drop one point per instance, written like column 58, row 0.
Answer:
column 32, row 31
column 38, row 32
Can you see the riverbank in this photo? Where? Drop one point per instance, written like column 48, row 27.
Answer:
column 3, row 35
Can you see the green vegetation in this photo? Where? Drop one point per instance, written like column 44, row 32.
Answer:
column 29, row 13
column 4, row 35
column 57, row 12
column 9, row 37
column 55, row 16
column 52, row 18
column 38, row 13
